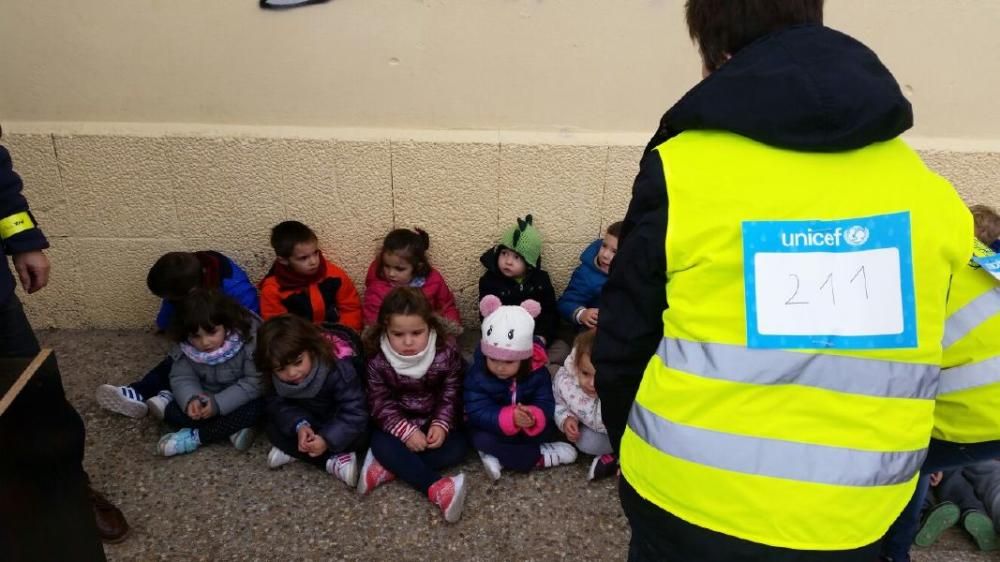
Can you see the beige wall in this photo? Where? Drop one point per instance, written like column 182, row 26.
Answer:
column 144, row 126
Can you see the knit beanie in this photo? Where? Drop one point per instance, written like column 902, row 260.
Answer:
column 508, row 330
column 524, row 239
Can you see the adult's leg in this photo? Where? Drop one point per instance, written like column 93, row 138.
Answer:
column 17, row 339
column 899, row 538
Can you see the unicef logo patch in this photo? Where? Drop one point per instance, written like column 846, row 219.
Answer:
column 856, row 235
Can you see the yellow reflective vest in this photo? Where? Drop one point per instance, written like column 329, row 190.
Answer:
column 968, row 402
column 743, row 431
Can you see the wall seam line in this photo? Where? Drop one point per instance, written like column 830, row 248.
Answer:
column 392, row 183
column 604, row 191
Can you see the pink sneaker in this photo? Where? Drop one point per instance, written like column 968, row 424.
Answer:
column 448, row 494
column 373, row 475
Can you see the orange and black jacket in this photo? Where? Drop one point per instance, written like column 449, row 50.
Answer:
column 332, row 298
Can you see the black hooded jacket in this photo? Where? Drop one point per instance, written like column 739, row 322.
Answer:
column 535, row 285
column 806, row 88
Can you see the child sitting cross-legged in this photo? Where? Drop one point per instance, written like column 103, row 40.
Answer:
column 215, row 384
column 316, row 411
column 508, row 396
column 415, row 392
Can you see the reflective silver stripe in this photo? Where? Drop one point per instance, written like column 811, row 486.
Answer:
column 970, row 376
column 965, row 319
column 850, row 375
column 772, row 457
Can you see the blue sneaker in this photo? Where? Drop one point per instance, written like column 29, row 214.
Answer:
column 178, row 443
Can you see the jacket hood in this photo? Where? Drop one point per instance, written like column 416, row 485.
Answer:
column 806, row 88
column 589, row 256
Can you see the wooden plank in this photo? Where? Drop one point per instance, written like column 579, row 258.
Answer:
column 23, row 379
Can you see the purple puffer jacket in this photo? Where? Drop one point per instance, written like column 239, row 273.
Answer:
column 401, row 405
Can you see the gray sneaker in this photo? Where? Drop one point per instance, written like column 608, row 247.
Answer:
column 158, row 404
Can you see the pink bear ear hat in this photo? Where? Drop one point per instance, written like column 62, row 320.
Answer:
column 508, row 331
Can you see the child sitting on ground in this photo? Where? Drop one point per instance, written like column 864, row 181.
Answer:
column 514, row 274
column 508, row 398
column 414, row 391
column 578, row 409
column 317, row 410
column 215, row 384
column 402, row 261
column 578, row 303
column 171, row 278
column 304, row 283
column 958, row 503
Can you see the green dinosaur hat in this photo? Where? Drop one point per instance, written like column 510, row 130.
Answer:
column 524, row 239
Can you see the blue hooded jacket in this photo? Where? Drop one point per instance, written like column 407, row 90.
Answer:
column 584, row 289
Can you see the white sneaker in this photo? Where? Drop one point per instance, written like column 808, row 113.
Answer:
column 122, row 400
column 278, row 458
column 158, row 404
column 345, row 467
column 491, row 464
column 243, row 438
column 555, row 454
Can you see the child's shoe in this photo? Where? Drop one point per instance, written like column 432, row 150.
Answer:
column 373, row 475
column 557, row 453
column 345, row 467
column 602, row 467
column 938, row 519
column 122, row 400
column 492, row 465
column 178, row 443
column 243, row 438
column 158, row 404
column 448, row 494
column 980, row 527
column 278, row 458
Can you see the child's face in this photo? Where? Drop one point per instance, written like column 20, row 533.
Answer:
column 609, row 247
column 296, row 371
column 206, row 341
column 502, row 370
column 396, row 269
column 585, row 375
column 511, row 264
column 304, row 259
column 407, row 333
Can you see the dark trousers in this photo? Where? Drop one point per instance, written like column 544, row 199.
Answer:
column 659, row 536
column 45, row 511
column 218, row 427
column 290, row 445
column 419, row 470
column 157, row 379
column 941, row 455
column 519, row 452
column 955, row 488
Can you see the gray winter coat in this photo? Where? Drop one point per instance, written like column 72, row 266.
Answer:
column 229, row 385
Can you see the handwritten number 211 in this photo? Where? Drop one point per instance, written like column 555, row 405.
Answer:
column 827, row 283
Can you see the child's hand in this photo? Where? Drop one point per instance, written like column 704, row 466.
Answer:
column 588, row 317
column 435, row 436
column 315, row 446
column 199, row 407
column 193, row 409
column 417, row 441
column 936, row 478
column 305, row 434
column 207, row 410
column 523, row 417
column 571, row 427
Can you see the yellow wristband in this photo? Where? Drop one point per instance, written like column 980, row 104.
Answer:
column 15, row 224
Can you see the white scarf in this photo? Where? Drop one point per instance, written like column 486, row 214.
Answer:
column 413, row 366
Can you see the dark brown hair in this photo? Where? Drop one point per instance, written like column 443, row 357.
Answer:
column 987, row 223
column 287, row 234
column 283, row 338
column 206, row 309
column 174, row 275
column 406, row 301
column 411, row 245
column 723, row 27
column 615, row 229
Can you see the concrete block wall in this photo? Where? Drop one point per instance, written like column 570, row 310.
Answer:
column 113, row 198
column 111, row 202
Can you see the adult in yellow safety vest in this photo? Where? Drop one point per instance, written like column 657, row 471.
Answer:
column 770, row 342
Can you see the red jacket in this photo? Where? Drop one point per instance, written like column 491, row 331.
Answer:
column 434, row 288
column 332, row 299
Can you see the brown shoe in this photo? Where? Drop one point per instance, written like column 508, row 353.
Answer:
column 111, row 524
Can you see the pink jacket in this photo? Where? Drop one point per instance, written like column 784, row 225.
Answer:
column 434, row 288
